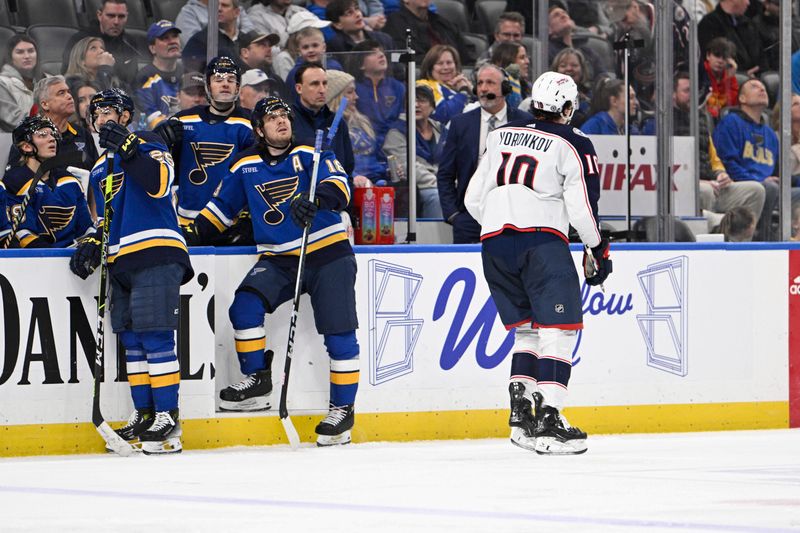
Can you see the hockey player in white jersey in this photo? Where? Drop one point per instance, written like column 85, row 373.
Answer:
column 535, row 179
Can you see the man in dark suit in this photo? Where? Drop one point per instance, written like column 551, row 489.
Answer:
column 466, row 142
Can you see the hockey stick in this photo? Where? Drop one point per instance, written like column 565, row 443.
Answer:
column 114, row 442
column 288, row 427
column 59, row 160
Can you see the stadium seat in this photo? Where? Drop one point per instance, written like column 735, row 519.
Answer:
column 488, row 11
column 50, row 44
column 5, row 14
column 55, row 12
column 6, row 33
column 455, row 12
column 478, row 42
column 601, row 48
column 167, row 9
column 137, row 14
column 772, row 82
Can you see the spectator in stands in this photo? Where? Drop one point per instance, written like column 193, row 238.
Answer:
column 157, row 84
column 430, row 142
column 768, row 24
column 54, row 100
column 510, row 27
column 82, row 92
column 194, row 53
column 738, row 224
column 370, row 164
column 193, row 17
column 561, row 29
column 255, row 86
column 795, row 222
column 273, row 16
column 312, row 113
column 304, row 26
column 441, row 72
column 193, row 91
column 90, row 61
column 350, row 27
column 255, row 52
column 728, row 20
column 718, row 76
column 311, row 49
column 427, row 30
column 572, row 62
column 748, row 148
column 127, row 50
column 627, row 17
column 775, row 119
column 380, row 97
column 318, row 8
column 513, row 59
column 796, row 72
column 18, row 76
column 608, row 110
column 465, row 144
column 57, row 214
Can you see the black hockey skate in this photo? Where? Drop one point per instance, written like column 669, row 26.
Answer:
column 250, row 394
column 139, row 422
column 335, row 428
column 521, row 420
column 554, row 435
column 164, row 436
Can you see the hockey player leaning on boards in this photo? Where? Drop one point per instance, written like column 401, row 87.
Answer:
column 147, row 261
column 273, row 179
column 57, row 214
column 205, row 139
column 536, row 179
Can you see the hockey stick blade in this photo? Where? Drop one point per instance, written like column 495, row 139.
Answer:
column 291, row 433
column 113, row 441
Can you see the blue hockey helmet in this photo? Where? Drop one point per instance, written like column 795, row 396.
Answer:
column 114, row 98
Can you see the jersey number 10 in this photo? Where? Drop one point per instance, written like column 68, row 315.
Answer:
column 524, row 167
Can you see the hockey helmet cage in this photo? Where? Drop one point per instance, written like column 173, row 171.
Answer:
column 266, row 106
column 30, row 125
column 114, row 98
column 552, row 91
column 223, row 65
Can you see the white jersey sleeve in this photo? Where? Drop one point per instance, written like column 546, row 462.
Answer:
column 536, row 177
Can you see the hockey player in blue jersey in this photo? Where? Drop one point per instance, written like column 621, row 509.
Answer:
column 57, row 214
column 536, row 179
column 147, row 261
column 5, row 224
column 273, row 180
column 205, row 139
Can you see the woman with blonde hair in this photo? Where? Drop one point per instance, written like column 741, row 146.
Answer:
column 572, row 62
column 370, row 165
column 90, row 60
column 441, row 73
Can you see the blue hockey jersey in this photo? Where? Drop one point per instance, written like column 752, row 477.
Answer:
column 267, row 188
column 157, row 93
column 209, row 146
column 5, row 225
column 57, row 209
column 144, row 227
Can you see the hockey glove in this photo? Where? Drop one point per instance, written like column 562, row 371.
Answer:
column 597, row 265
column 118, row 139
column 240, row 233
column 303, row 210
column 191, row 235
column 87, row 255
column 171, row 131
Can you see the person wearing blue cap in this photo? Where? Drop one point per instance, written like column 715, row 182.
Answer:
column 157, row 84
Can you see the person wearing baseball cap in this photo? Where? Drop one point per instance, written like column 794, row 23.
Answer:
column 157, row 84
column 255, row 52
column 255, row 86
column 193, row 90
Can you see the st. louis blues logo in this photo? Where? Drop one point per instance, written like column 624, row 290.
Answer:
column 54, row 218
column 207, row 154
column 116, row 184
column 274, row 194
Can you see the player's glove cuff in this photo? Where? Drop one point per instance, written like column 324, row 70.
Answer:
column 303, row 210
column 87, row 255
column 597, row 264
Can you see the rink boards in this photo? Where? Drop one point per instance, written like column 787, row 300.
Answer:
column 684, row 338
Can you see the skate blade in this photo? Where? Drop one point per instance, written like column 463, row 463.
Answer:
column 135, row 444
column 171, row 445
column 258, row 403
column 520, row 438
column 333, row 440
column 553, row 446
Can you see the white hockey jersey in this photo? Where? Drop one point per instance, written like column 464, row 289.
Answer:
column 536, row 175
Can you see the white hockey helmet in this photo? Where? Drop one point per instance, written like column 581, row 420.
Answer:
column 552, row 91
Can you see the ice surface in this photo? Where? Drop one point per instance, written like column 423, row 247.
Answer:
column 725, row 481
